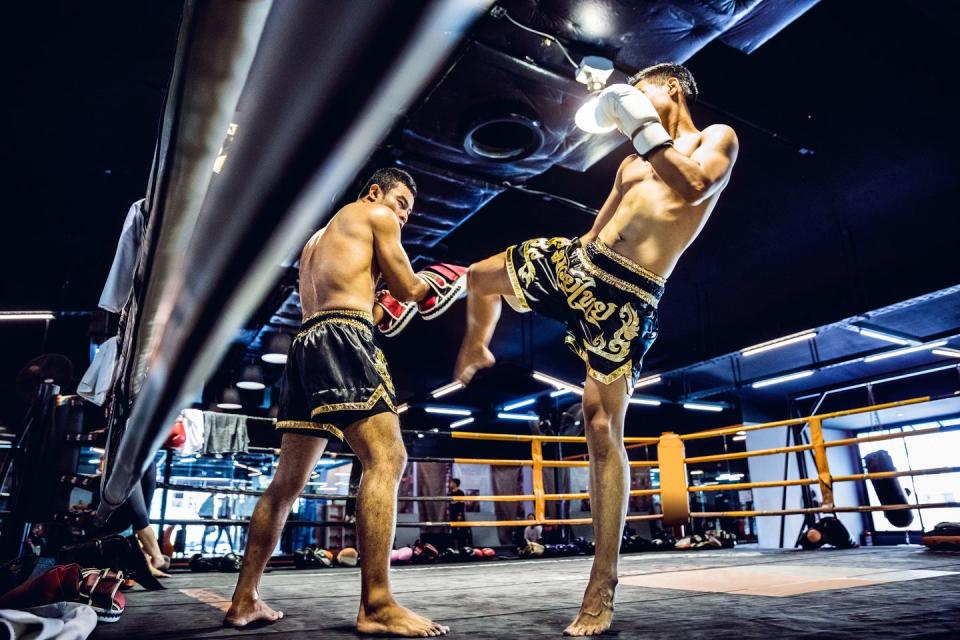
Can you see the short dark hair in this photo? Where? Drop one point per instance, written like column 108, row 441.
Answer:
column 455, row 481
column 663, row 71
column 389, row 178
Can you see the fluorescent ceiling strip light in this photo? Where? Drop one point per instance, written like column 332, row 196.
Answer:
column 460, row 423
column 739, row 438
column 759, row 384
column 952, row 422
column 556, row 382
column 700, row 406
column 696, row 472
column 274, row 358
column 779, row 342
column 524, row 417
column 250, row 385
column 448, row 411
column 519, row 403
column 902, row 352
column 447, row 388
column 27, row 315
column 645, row 402
column 559, row 392
column 949, row 353
column 229, row 405
column 880, row 335
column 643, row 382
column 402, row 408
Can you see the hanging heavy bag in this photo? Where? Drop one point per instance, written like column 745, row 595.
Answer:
column 889, row 490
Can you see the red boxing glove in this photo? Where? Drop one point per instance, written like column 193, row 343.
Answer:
column 177, row 437
column 396, row 314
column 447, row 282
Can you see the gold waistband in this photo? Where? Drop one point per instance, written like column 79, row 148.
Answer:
column 627, row 263
column 353, row 313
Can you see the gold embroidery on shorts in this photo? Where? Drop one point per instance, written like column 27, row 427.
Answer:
column 353, row 313
column 379, row 393
column 514, row 282
column 617, row 347
column 625, row 370
column 628, row 264
column 364, row 329
column 312, row 426
column 380, row 364
column 623, row 285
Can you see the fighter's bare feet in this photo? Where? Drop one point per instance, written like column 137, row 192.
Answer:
column 472, row 358
column 246, row 611
column 395, row 620
column 596, row 612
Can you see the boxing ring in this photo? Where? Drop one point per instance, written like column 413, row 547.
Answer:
column 726, row 593
column 671, row 461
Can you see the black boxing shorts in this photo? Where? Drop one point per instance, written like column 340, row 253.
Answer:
column 335, row 375
column 608, row 302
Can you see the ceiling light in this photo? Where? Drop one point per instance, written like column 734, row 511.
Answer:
column 277, row 347
column 883, row 335
column 646, row 402
column 419, row 435
column 519, row 403
column 524, row 417
column 436, row 430
column 402, row 408
column 702, row 406
column 643, row 382
column 557, row 383
column 949, row 353
column 447, row 388
column 94, row 461
column 952, row 422
column 559, row 392
column 230, row 399
column 251, row 378
column 26, row 315
column 779, row 342
column 460, row 423
column 739, row 438
column 786, row 378
column 902, row 352
column 696, row 472
column 447, row 411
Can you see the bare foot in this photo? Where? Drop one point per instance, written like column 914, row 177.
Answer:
column 244, row 612
column 395, row 620
column 596, row 612
column 471, row 359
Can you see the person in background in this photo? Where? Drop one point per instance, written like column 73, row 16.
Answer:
column 457, row 511
column 534, row 531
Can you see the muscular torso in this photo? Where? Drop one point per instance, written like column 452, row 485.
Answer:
column 337, row 266
column 653, row 224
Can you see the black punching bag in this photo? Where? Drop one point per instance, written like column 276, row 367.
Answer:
column 889, row 490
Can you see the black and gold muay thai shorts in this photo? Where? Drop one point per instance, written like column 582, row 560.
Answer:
column 335, row 375
column 608, row 302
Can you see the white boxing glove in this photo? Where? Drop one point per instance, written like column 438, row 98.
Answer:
column 634, row 115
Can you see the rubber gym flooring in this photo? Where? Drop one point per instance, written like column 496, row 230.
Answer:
column 875, row 592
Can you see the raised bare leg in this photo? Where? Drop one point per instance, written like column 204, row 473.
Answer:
column 298, row 458
column 379, row 446
column 486, row 282
column 604, row 409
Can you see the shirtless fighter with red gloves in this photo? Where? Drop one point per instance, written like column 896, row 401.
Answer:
column 336, row 382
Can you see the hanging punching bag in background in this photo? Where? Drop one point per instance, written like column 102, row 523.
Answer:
column 889, row 490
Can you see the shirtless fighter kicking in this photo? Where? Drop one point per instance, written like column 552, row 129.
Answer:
column 606, row 285
column 336, row 382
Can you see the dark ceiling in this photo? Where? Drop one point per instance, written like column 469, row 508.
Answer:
column 799, row 240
